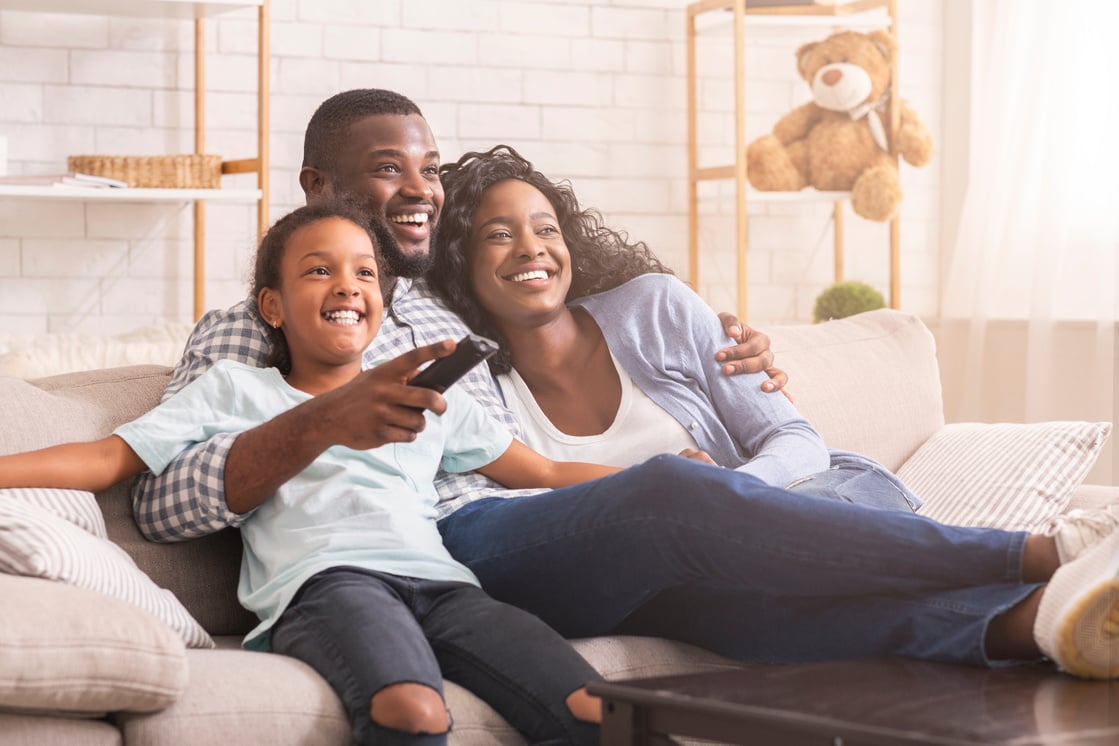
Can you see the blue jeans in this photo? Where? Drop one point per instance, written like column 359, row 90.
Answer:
column 858, row 479
column 363, row 630
column 767, row 574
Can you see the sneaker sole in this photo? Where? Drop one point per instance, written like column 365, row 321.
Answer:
column 1080, row 611
column 1087, row 638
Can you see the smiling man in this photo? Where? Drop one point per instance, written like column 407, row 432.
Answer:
column 371, row 147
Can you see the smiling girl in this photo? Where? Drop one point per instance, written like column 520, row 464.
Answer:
column 344, row 564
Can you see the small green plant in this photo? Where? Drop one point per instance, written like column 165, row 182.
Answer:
column 846, row 299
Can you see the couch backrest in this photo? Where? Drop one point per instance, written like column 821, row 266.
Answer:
column 86, row 406
column 869, row 383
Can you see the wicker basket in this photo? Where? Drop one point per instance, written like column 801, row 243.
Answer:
column 154, row 172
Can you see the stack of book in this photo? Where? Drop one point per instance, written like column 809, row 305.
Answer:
column 70, row 179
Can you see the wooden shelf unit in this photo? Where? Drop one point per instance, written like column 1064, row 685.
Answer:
column 198, row 11
column 855, row 14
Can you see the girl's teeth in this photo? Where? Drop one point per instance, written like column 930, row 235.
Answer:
column 343, row 317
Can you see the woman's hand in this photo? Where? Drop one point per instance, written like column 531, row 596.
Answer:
column 694, row 455
column 751, row 355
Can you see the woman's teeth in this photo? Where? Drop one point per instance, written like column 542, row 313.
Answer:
column 536, row 274
column 342, row 317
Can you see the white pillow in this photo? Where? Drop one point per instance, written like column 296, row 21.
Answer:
column 36, row 543
column 108, row 656
column 1011, row 476
column 74, row 506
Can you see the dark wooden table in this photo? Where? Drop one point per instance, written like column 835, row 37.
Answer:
column 881, row 702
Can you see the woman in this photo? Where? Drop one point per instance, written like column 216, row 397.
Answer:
column 597, row 380
column 517, row 247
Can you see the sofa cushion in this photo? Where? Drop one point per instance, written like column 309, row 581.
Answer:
column 37, row 543
column 264, row 698
column 1003, row 475
column 35, row 730
column 111, row 656
column 244, row 698
column 869, row 382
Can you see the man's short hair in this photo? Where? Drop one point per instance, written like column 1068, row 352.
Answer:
column 330, row 124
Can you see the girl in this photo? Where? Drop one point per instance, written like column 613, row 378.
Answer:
column 344, row 564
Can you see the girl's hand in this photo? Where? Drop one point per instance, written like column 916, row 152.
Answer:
column 696, row 455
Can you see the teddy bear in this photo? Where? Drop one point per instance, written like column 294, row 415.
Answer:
column 839, row 141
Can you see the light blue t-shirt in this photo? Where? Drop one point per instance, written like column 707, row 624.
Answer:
column 372, row 509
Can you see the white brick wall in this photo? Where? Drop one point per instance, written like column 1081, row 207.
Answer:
column 591, row 91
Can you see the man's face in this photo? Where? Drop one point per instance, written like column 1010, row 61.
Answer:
column 390, row 167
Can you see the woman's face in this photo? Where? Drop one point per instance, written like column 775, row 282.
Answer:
column 520, row 268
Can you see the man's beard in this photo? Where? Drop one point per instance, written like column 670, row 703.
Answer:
column 392, row 260
column 391, row 257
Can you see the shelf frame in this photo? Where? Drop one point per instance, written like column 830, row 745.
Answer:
column 198, row 11
column 90, row 194
column 823, row 15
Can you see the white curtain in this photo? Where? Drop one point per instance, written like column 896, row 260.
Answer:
column 1031, row 283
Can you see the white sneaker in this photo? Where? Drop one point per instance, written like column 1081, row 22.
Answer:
column 1077, row 623
column 1078, row 530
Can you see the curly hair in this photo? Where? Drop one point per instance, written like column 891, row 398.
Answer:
column 329, row 127
column 270, row 256
column 601, row 258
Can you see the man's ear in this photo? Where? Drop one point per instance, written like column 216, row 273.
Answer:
column 315, row 183
column 268, row 301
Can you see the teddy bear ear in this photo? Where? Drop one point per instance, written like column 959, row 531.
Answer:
column 802, row 57
column 885, row 42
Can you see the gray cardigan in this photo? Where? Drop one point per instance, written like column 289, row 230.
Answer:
column 665, row 337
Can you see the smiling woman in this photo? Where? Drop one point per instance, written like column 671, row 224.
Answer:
column 606, row 356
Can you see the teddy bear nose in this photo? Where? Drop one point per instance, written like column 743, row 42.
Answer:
column 831, row 77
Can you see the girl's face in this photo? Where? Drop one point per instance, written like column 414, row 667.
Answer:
column 520, row 268
column 329, row 301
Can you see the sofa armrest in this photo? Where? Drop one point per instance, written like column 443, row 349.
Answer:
column 1088, row 496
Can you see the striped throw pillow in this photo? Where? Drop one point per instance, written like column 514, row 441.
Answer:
column 1004, row 475
column 36, row 542
column 76, row 506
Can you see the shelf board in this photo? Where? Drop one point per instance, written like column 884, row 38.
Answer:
column 83, row 194
column 861, row 14
column 804, row 195
column 754, row 197
column 136, row 8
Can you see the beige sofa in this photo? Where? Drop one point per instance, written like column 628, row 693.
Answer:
column 78, row 667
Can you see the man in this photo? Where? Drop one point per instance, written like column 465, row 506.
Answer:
column 375, row 147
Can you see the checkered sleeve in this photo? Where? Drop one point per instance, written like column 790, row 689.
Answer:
column 188, row 499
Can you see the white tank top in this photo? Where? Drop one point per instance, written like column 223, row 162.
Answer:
column 641, row 429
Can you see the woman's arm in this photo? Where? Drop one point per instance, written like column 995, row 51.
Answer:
column 664, row 334
column 520, row 467
column 94, row 465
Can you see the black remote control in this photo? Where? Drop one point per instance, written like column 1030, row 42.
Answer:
column 471, row 350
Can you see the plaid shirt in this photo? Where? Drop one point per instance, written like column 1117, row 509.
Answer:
column 188, row 499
